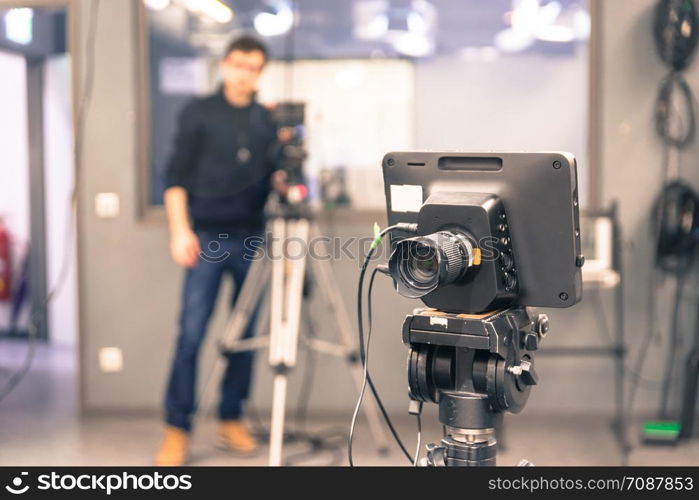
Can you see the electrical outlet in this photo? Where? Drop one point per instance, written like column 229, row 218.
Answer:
column 111, row 359
column 107, row 205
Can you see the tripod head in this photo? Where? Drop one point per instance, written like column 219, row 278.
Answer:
column 475, row 367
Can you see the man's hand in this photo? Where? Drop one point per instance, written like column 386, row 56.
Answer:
column 184, row 244
column 279, row 182
column 184, row 248
column 285, row 134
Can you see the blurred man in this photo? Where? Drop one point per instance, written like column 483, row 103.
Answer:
column 219, row 176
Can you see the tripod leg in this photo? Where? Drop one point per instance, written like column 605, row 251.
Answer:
column 276, row 435
column 248, row 298
column 286, row 299
column 278, row 294
column 323, row 273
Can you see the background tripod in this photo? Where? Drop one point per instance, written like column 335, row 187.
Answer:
column 284, row 268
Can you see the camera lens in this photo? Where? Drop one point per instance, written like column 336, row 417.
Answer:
column 423, row 264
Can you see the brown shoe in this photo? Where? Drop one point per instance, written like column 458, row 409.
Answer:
column 175, row 447
column 235, row 436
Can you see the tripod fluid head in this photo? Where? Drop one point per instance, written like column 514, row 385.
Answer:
column 475, row 367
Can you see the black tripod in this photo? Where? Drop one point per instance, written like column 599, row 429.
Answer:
column 475, row 367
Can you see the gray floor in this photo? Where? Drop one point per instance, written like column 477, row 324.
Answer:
column 39, row 426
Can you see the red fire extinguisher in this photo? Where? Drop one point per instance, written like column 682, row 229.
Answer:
column 5, row 264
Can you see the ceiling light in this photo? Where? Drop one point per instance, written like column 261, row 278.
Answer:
column 370, row 19
column 277, row 19
column 157, row 4
column 531, row 21
column 413, row 44
column 19, row 26
column 213, row 9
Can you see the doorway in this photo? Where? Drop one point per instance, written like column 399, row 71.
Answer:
column 38, row 337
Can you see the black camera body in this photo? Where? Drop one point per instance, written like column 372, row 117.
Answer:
column 493, row 229
column 491, row 282
column 292, row 116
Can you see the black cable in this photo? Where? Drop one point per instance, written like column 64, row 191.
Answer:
column 384, row 413
column 369, row 381
column 663, row 111
column 79, row 132
column 365, row 363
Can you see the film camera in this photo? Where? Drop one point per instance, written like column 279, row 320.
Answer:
column 290, row 155
column 289, row 118
column 490, row 234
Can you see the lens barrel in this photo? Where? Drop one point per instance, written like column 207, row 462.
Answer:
column 422, row 264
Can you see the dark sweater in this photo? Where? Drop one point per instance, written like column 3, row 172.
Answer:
column 227, row 188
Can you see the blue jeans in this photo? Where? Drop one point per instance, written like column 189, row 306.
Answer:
column 220, row 254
